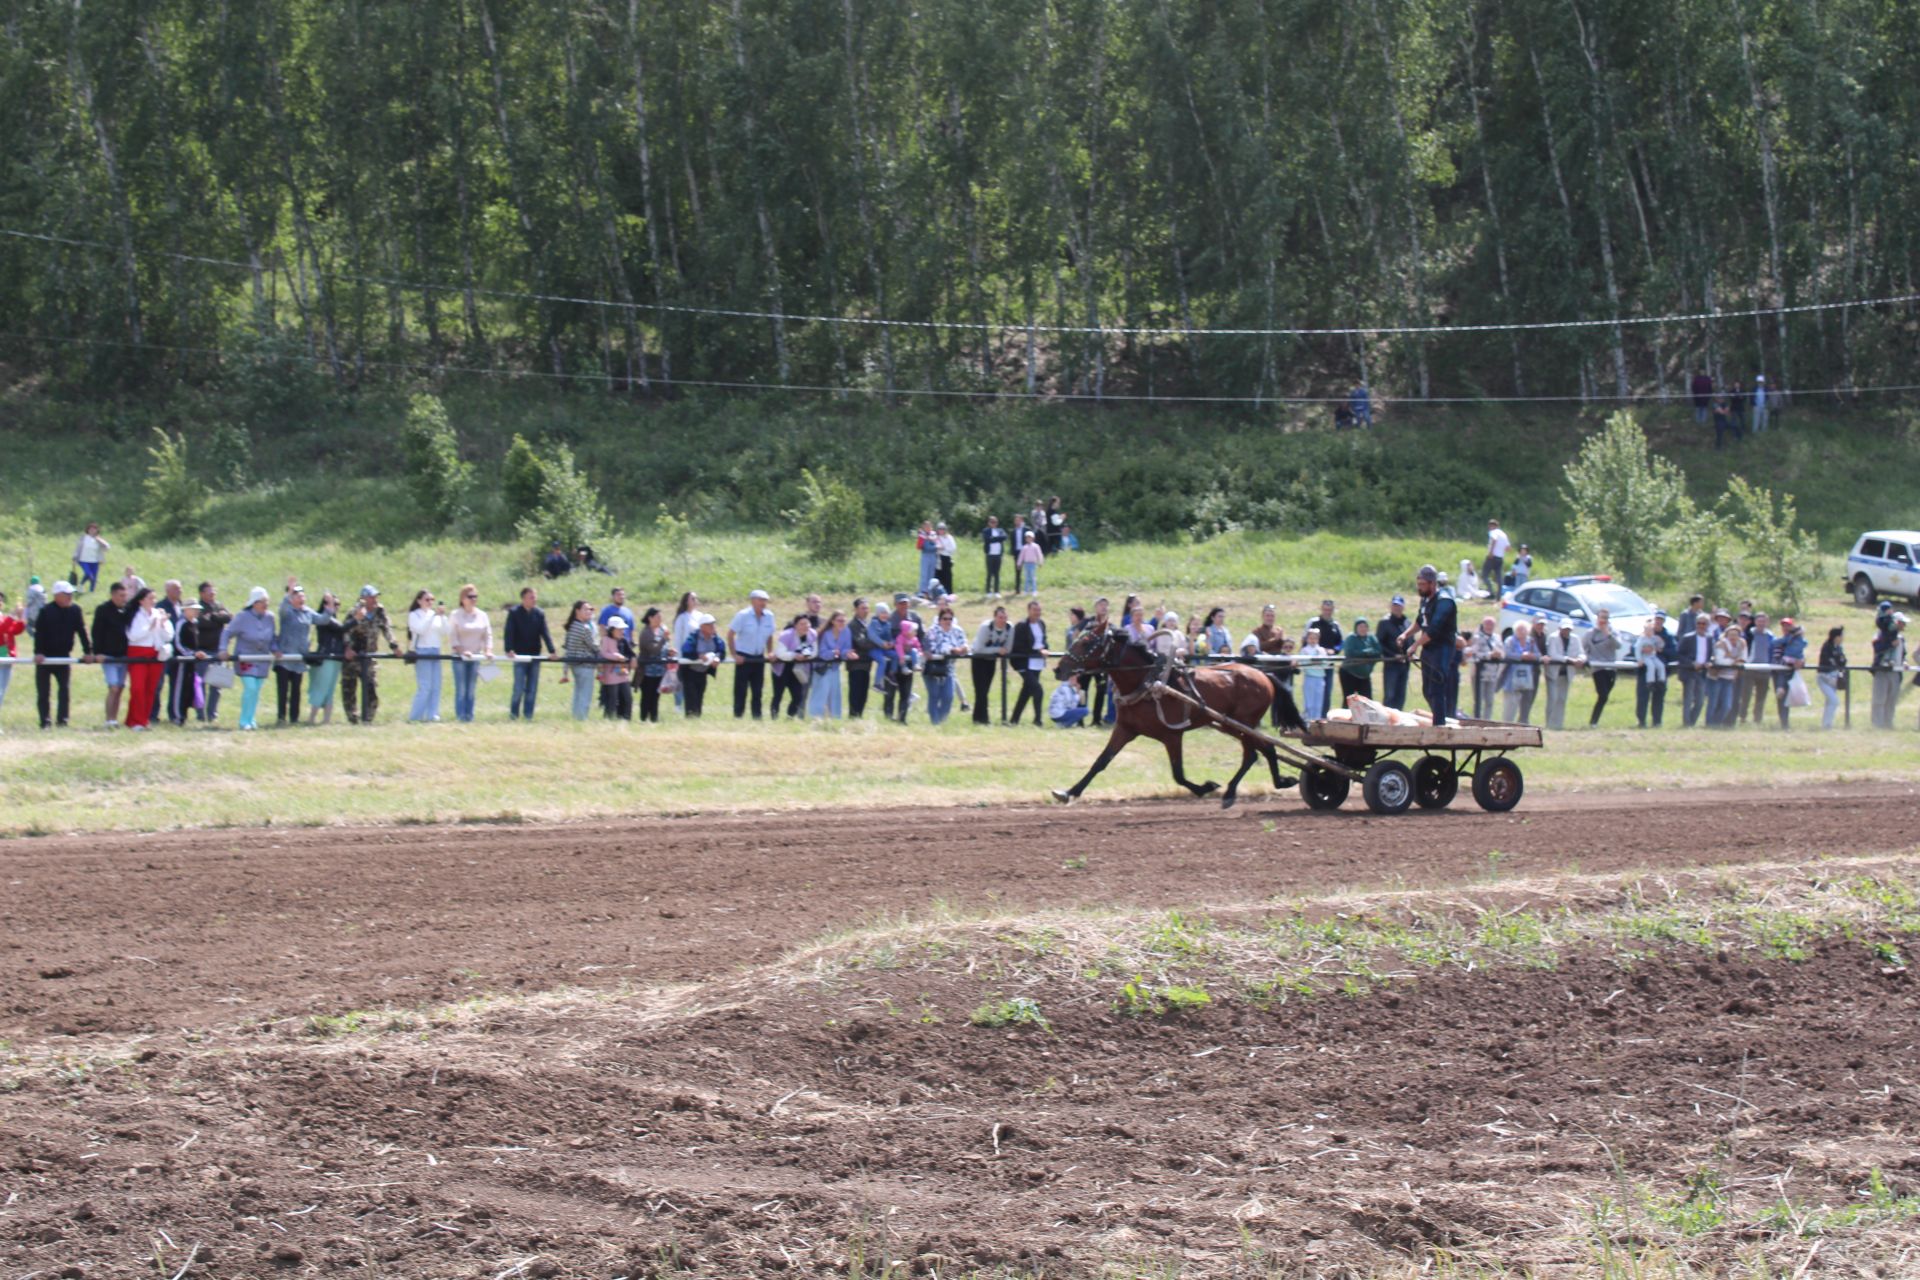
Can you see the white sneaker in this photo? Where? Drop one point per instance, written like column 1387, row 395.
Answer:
column 111, row 725
column 137, row 728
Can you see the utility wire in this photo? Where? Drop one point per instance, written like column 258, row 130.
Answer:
column 952, row 325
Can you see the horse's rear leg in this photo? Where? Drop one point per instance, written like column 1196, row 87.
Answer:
column 1172, row 745
column 1120, row 738
column 1247, row 757
column 1273, row 767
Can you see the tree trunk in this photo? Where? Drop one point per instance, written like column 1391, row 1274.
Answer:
column 760, row 215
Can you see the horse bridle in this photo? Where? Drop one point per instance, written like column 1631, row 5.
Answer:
column 1094, row 662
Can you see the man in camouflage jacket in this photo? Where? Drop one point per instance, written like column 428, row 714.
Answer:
column 366, row 626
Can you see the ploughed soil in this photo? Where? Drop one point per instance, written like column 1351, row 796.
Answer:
column 653, row 1082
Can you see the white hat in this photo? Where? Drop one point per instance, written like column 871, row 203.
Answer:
column 1168, row 618
column 256, row 595
column 616, row 623
column 757, row 594
column 369, row 591
column 1759, row 377
column 63, row 588
column 702, row 619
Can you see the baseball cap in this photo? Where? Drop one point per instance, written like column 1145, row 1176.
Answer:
column 65, row 588
column 1399, row 600
column 758, row 594
column 1659, row 613
column 616, row 623
column 1428, row 573
column 1721, row 612
column 1788, row 624
column 369, row 591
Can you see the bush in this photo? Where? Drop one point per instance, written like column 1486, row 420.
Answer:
column 229, row 456
column 432, row 451
column 832, row 520
column 522, row 477
column 569, row 510
column 1749, row 546
column 1626, row 503
column 175, row 498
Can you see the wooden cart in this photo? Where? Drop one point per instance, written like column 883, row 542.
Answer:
column 1474, row 748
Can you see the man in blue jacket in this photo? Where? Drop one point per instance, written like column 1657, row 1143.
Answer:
column 1436, row 631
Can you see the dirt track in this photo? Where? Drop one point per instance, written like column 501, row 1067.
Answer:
column 184, row 1118
column 219, row 927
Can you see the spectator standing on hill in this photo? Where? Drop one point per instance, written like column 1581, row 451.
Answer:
column 927, row 542
column 1031, row 557
column 993, row 541
column 470, row 633
column 1737, row 405
column 1056, row 527
column 1759, row 403
column 1723, row 424
column 295, row 638
column 947, row 547
column 1360, row 404
column 527, row 636
column 1603, row 650
column 1037, row 523
column 149, row 631
column 652, row 650
column 580, row 647
column 1523, row 566
column 426, row 638
column 59, row 625
column 251, row 634
column 700, row 659
column 214, row 618
column 1028, row 654
column 1832, row 674
column 1016, row 539
column 1393, row 672
column 834, row 648
column 329, row 647
column 1702, row 395
column 88, row 553
column 1494, row 567
column 36, row 601
column 992, row 642
column 750, row 638
column 615, row 672
column 367, row 627
column 1362, row 652
column 110, row 646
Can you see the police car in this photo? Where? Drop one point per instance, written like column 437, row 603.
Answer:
column 1882, row 564
column 1579, row 599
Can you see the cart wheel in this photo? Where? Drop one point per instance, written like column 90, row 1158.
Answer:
column 1388, row 787
column 1324, row 789
column 1435, row 782
column 1497, row 784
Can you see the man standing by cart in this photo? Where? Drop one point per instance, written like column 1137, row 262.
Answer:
column 1436, row 634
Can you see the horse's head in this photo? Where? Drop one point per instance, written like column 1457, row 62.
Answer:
column 1090, row 651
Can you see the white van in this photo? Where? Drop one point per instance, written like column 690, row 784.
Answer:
column 1883, row 563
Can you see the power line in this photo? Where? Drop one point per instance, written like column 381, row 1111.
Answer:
column 1121, row 331
column 934, row 392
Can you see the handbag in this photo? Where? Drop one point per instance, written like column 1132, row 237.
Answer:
column 935, row 669
column 218, row 675
column 1797, row 694
column 670, row 682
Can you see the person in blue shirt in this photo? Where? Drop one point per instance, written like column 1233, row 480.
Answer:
column 1360, row 401
column 616, row 608
column 750, row 636
column 1750, row 703
column 1790, row 650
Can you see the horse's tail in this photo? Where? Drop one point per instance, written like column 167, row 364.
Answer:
column 1286, row 711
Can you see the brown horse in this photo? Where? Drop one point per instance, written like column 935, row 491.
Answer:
column 1236, row 691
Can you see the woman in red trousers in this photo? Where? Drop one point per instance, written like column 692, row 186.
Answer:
column 149, row 631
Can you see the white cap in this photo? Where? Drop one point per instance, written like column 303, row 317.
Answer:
column 616, row 623
column 256, row 595
column 1168, row 618
column 702, row 619
column 63, row 588
column 1759, row 377
column 757, row 594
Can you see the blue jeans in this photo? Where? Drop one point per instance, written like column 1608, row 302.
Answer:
column 939, row 698
column 582, row 692
column 1071, row 718
column 426, row 695
column 1829, row 689
column 6, row 678
column 823, row 695
column 929, row 569
column 1030, row 578
column 465, row 676
column 526, row 687
column 1720, row 711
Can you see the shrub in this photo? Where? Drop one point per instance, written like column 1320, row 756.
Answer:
column 1626, row 503
column 229, row 455
column 1749, row 544
column 432, row 451
column 175, row 498
column 569, row 510
column 522, row 477
column 831, row 520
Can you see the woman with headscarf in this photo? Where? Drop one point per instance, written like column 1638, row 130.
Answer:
column 252, row 632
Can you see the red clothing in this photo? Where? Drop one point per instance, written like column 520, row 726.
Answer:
column 143, row 685
column 9, row 628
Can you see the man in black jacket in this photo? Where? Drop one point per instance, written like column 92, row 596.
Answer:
column 860, row 666
column 110, row 619
column 1028, row 656
column 60, row 623
column 526, row 633
column 214, row 618
column 1437, row 632
column 1329, row 629
column 1393, row 674
column 993, row 540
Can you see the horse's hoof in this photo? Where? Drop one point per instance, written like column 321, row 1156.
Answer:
column 1064, row 797
column 1286, row 784
column 1226, row 801
column 1207, row 789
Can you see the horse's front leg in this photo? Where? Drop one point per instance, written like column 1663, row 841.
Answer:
column 1172, row 745
column 1121, row 736
column 1247, row 757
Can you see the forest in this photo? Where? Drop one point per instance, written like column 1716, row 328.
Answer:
column 1221, row 200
